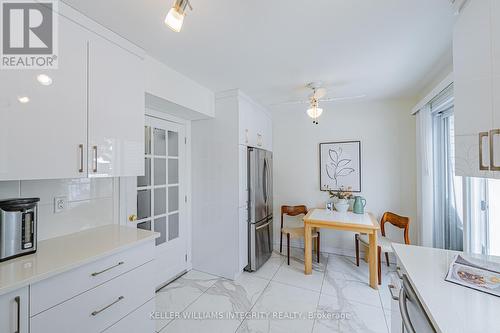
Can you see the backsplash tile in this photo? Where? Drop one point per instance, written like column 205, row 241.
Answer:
column 9, row 189
column 90, row 203
column 72, row 189
column 78, row 216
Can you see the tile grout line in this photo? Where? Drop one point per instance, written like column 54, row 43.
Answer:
column 262, row 293
column 321, row 291
column 387, row 324
column 187, row 306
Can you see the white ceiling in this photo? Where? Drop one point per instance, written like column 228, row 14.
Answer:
column 270, row 49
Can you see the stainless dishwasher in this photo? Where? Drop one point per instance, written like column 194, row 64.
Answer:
column 411, row 316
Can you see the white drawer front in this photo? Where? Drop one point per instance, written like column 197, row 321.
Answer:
column 50, row 292
column 101, row 307
column 138, row 321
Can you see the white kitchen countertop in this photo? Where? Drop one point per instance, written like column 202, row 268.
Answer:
column 452, row 308
column 61, row 254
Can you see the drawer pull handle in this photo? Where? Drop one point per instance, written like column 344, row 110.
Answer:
column 95, row 313
column 391, row 288
column 482, row 167
column 17, row 300
column 107, row 269
column 95, row 159
column 493, row 133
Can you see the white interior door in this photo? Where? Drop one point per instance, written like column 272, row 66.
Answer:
column 161, row 192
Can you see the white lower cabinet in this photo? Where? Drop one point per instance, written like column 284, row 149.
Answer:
column 101, row 307
column 14, row 312
column 74, row 282
column 136, row 322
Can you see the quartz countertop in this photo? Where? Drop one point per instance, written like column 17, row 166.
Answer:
column 452, row 308
column 57, row 255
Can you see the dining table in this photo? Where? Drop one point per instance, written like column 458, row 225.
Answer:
column 365, row 223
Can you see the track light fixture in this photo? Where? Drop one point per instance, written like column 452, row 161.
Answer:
column 175, row 16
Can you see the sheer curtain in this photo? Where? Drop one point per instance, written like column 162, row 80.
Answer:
column 425, row 190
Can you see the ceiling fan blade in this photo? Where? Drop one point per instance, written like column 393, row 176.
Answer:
column 291, row 103
column 320, row 93
column 344, row 98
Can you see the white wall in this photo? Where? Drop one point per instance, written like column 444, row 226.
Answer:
column 387, row 134
column 167, row 84
column 90, row 203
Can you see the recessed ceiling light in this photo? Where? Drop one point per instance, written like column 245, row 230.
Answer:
column 44, row 79
column 23, row 99
column 175, row 16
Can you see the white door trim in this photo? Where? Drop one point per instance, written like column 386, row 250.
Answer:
column 126, row 190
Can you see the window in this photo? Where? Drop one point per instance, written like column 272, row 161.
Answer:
column 466, row 210
column 448, row 188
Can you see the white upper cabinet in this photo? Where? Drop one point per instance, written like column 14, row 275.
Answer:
column 88, row 122
column 476, row 53
column 46, row 137
column 473, row 69
column 255, row 124
column 116, row 111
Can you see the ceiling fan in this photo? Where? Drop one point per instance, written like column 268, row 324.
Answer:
column 318, row 95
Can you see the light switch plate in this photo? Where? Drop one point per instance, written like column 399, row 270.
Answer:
column 60, row 204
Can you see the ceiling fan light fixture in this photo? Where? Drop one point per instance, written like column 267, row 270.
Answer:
column 314, row 112
column 175, row 16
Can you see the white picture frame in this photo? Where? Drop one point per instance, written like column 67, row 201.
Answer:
column 340, row 166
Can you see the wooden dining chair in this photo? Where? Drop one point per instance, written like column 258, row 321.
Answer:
column 295, row 232
column 384, row 243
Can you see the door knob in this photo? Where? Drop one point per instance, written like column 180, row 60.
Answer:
column 132, row 218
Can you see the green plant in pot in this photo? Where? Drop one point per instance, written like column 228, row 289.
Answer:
column 342, row 199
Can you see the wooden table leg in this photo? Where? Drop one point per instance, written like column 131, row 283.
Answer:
column 373, row 260
column 367, row 252
column 307, row 249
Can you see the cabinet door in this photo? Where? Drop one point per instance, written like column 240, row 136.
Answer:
column 45, row 138
column 14, row 311
column 116, row 111
column 495, row 37
column 137, row 321
column 467, row 156
column 472, row 49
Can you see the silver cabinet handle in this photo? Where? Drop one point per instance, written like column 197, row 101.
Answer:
column 95, row 159
column 404, row 312
column 493, row 133
column 96, row 312
column 107, row 269
column 482, row 167
column 17, row 300
column 398, row 272
column 81, row 158
column 391, row 288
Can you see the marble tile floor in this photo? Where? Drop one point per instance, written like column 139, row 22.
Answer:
column 278, row 298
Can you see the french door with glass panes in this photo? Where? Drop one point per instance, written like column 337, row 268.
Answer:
column 160, row 196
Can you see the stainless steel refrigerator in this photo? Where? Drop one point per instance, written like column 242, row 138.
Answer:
column 260, row 207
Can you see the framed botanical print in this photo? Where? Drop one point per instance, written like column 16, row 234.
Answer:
column 340, row 165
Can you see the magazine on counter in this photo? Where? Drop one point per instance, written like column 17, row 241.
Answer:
column 475, row 273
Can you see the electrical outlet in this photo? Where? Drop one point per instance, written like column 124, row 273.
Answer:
column 60, row 204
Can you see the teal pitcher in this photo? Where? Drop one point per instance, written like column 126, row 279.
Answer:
column 359, row 205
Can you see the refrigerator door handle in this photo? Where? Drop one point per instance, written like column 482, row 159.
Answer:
column 264, row 181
